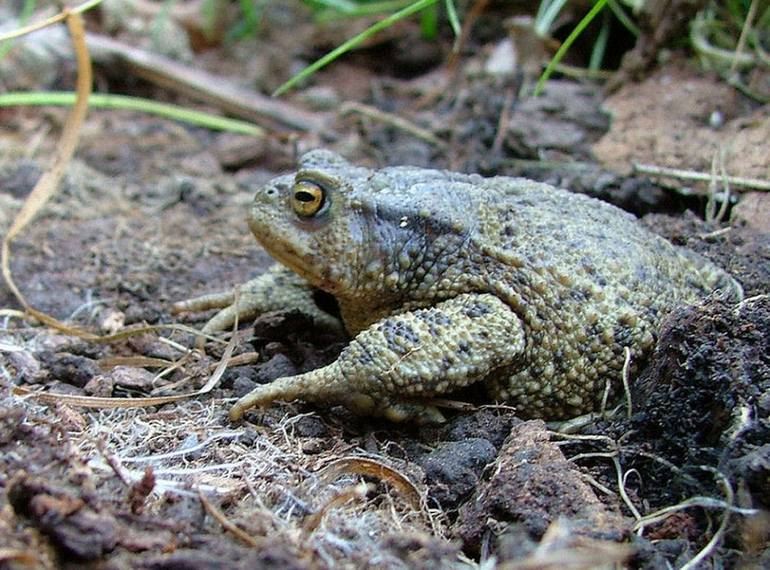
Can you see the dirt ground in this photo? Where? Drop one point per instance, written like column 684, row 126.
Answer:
column 152, row 211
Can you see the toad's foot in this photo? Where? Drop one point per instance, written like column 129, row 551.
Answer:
column 388, row 368
column 278, row 288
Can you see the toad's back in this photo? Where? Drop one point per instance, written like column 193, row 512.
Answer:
column 587, row 280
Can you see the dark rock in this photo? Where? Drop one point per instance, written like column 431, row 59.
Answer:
column 277, row 367
column 70, row 368
column 309, row 426
column 419, row 550
column 19, row 179
column 242, row 385
column 11, row 418
column 452, row 469
column 565, row 117
column 492, row 425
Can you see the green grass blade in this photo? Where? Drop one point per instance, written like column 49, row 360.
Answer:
column 574, row 34
column 429, row 23
column 600, row 45
column 125, row 103
column 353, row 42
column 454, row 20
column 546, row 14
column 623, row 18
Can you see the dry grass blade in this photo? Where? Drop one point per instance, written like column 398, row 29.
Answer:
column 99, row 402
column 391, row 120
column 372, row 468
column 49, row 181
column 664, row 171
column 355, row 492
column 229, row 526
column 133, row 361
column 63, row 15
column 10, row 555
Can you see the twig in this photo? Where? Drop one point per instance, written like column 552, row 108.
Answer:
column 205, row 87
column 751, row 183
column 503, row 122
column 391, row 120
column 61, row 16
column 114, row 464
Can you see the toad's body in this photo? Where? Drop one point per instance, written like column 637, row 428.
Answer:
column 447, row 279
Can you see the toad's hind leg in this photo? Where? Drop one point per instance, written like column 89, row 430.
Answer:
column 388, row 368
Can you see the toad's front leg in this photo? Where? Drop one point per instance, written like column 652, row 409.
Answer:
column 277, row 288
column 388, row 368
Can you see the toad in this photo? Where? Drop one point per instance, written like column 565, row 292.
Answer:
column 444, row 280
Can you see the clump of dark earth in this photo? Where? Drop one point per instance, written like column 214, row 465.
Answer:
column 742, row 251
column 77, row 529
column 637, row 195
column 704, row 400
column 453, row 469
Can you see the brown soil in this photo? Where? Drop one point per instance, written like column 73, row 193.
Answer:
column 151, row 212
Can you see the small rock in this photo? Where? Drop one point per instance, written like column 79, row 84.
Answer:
column 242, row 385
column 533, row 484
column 309, row 426
column 69, row 368
column 130, row 377
column 100, row 386
column 277, row 325
column 277, row 367
column 11, row 418
column 27, row 367
column 494, row 426
column 452, row 470
column 754, row 210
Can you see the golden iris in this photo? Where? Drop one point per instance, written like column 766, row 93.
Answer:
column 307, row 198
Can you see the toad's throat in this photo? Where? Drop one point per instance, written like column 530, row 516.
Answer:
column 306, row 266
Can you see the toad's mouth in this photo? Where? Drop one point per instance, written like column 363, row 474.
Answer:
column 304, row 265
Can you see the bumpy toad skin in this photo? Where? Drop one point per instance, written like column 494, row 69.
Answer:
column 445, row 279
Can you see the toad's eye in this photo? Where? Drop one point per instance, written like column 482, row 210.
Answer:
column 307, row 198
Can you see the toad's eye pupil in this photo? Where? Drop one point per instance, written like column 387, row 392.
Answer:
column 303, row 196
